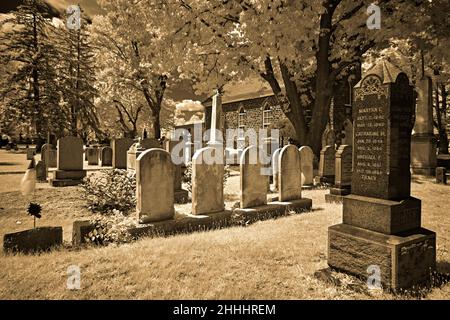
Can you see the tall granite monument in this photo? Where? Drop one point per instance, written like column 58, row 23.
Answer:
column 381, row 221
column 423, row 142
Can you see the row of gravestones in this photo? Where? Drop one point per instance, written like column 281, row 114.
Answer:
column 155, row 200
column 68, row 160
column 98, row 155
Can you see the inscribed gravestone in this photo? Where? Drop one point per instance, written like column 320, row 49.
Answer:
column 207, row 182
column 382, row 139
column 275, row 161
column 119, row 152
column 307, row 158
column 327, row 163
column 344, row 166
column 70, row 153
column 154, row 186
column 381, row 221
column 253, row 186
column 105, row 156
column 289, row 179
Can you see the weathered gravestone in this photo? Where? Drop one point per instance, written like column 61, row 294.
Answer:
column 381, row 222
column 441, row 175
column 139, row 147
column 327, row 164
column 180, row 195
column 307, row 158
column 30, row 153
column 253, row 191
column 41, row 171
column 119, row 149
column 33, row 240
column 289, row 175
column 343, row 179
column 423, row 144
column 328, row 137
column 207, row 182
column 275, row 161
column 105, row 156
column 92, row 155
column 154, row 186
column 49, row 155
column 348, row 133
column 69, row 163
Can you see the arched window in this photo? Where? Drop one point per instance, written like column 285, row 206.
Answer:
column 241, row 118
column 267, row 116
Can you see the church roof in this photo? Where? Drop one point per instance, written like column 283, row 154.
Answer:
column 243, row 90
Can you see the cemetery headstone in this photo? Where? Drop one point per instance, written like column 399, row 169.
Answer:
column 441, row 175
column 30, row 153
column 69, row 163
column 154, row 186
column 92, row 155
column 423, row 141
column 119, row 152
column 348, row 133
column 307, row 159
column 328, row 138
column 275, row 161
column 327, row 164
column 33, row 240
column 381, row 221
column 253, row 192
column 180, row 195
column 207, row 182
column 137, row 148
column 343, row 180
column 289, row 178
column 41, row 171
column 105, row 156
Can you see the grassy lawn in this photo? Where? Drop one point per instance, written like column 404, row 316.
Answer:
column 274, row 259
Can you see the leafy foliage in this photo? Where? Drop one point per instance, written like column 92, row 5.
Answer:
column 31, row 92
column 110, row 190
column 111, row 229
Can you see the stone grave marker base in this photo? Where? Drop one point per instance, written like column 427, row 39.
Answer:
column 404, row 260
column 193, row 223
column 274, row 209
column 33, row 240
column 337, row 195
column 379, row 215
column 80, row 230
column 65, row 178
column 423, row 154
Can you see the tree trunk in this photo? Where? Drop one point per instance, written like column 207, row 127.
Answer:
column 157, row 124
column 36, row 94
column 324, row 83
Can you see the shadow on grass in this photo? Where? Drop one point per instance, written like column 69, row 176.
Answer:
column 339, row 278
column 9, row 164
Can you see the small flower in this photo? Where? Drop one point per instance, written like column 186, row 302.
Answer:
column 34, row 209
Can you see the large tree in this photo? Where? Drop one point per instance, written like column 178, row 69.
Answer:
column 76, row 75
column 30, row 94
column 301, row 48
column 134, row 51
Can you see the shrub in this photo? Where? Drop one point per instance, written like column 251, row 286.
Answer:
column 187, row 176
column 107, row 190
column 111, row 229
